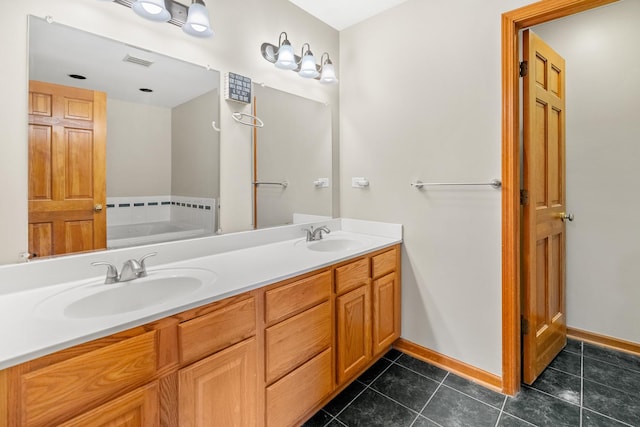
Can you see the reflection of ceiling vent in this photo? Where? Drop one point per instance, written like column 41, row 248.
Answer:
column 139, row 61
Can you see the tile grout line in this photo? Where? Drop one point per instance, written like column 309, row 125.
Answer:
column 429, row 400
column 504, row 402
column 581, row 381
column 366, row 386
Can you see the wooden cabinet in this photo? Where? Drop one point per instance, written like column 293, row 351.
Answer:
column 298, row 348
column 220, row 390
column 266, row 358
column 367, row 311
column 354, row 332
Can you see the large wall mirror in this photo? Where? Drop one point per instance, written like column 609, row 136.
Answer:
column 151, row 115
column 292, row 159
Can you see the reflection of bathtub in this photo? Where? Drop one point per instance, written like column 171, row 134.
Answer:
column 121, row 236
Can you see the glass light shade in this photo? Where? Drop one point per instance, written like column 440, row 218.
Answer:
column 154, row 10
column 286, row 58
column 328, row 75
column 198, row 21
column 308, row 68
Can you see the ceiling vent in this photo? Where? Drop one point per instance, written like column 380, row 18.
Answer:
column 139, row 61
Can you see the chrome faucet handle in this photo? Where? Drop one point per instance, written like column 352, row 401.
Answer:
column 112, row 272
column 143, row 267
column 310, row 234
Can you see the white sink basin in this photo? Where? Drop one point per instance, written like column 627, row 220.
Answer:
column 333, row 245
column 98, row 299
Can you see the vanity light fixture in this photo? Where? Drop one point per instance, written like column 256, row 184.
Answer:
column 154, row 10
column 197, row 24
column 327, row 72
column 282, row 56
column 193, row 20
column 308, row 65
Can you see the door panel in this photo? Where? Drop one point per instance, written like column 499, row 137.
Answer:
column 67, row 168
column 543, row 229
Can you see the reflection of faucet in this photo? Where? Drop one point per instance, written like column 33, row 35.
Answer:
column 313, row 235
column 131, row 269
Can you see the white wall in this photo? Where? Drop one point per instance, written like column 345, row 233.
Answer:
column 236, row 48
column 294, row 145
column 420, row 99
column 603, row 150
column 195, row 149
column 139, row 149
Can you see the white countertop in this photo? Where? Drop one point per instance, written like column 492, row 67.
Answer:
column 28, row 332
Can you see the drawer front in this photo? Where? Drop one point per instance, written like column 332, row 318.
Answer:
column 384, row 263
column 296, row 340
column 52, row 393
column 219, row 329
column 286, row 300
column 291, row 397
column 352, row 275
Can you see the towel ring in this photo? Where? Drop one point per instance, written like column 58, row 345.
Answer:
column 237, row 116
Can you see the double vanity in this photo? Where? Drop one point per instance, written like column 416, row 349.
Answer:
column 246, row 335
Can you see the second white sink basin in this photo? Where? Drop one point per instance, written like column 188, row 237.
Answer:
column 99, row 299
column 333, row 245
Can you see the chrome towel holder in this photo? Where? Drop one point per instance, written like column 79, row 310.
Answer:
column 238, row 117
column 495, row 183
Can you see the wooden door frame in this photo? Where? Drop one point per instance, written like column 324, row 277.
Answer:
column 512, row 22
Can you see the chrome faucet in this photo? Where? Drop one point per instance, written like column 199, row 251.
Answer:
column 131, row 269
column 313, row 235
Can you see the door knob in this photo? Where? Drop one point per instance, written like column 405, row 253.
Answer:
column 565, row 216
column 98, row 207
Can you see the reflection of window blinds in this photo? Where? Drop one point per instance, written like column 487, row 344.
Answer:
column 237, row 88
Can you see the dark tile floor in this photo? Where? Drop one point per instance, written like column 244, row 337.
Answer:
column 585, row 386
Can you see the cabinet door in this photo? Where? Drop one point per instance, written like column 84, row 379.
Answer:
column 354, row 332
column 138, row 408
column 386, row 306
column 220, row 390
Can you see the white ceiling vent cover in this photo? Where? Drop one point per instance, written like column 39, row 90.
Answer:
column 139, row 61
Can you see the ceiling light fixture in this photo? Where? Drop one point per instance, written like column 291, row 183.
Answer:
column 282, row 56
column 193, row 20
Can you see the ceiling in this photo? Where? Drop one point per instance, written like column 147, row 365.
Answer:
column 55, row 51
column 341, row 14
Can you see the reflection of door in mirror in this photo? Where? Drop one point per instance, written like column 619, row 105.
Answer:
column 67, row 147
column 292, row 158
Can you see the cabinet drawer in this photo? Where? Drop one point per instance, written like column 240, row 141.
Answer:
column 294, row 341
column 286, row 300
column 54, row 392
column 352, row 275
column 384, row 263
column 138, row 408
column 291, row 397
column 216, row 330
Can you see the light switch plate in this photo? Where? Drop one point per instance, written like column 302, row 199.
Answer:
column 359, row 182
column 322, row 182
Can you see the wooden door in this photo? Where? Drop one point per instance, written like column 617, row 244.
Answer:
column 67, row 162
column 220, row 390
column 543, row 297
column 140, row 408
column 354, row 332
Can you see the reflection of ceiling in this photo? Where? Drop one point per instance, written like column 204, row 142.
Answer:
column 341, row 14
column 56, row 50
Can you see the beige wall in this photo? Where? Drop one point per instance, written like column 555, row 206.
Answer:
column 195, row 150
column 420, row 99
column 603, row 131
column 139, row 149
column 235, row 47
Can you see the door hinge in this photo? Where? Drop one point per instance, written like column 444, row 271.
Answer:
column 524, row 326
column 524, row 68
column 524, row 197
